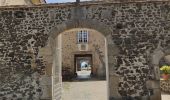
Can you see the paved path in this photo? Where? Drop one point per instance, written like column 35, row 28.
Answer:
column 87, row 90
column 83, row 74
column 165, row 96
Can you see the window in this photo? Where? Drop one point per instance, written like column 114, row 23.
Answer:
column 82, row 36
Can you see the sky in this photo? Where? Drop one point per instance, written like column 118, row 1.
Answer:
column 61, row 1
column 58, row 1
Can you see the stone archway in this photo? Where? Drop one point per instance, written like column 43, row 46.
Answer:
column 24, row 43
column 53, row 53
column 156, row 56
column 154, row 83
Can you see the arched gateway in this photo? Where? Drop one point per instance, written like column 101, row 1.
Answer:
column 29, row 58
column 55, row 53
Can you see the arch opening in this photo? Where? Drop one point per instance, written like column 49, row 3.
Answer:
column 163, row 72
column 82, row 59
column 54, row 53
column 158, row 85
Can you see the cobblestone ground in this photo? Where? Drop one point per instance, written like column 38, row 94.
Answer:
column 86, row 90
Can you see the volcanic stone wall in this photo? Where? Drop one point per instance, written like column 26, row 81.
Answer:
column 164, row 84
column 137, row 30
column 23, row 31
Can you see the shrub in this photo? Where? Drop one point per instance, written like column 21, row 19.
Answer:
column 165, row 69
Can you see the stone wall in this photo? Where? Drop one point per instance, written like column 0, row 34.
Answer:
column 137, row 30
column 165, row 86
column 25, row 74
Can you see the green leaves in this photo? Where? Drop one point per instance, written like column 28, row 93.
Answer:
column 165, row 69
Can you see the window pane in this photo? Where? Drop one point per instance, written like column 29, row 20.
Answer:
column 78, row 37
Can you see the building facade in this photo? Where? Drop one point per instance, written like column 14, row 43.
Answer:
column 21, row 2
column 84, row 45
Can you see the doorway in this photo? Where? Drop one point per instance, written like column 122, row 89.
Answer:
column 83, row 66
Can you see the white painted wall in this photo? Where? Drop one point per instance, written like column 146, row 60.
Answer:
column 14, row 2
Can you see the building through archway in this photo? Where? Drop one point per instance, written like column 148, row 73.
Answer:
column 83, row 62
column 83, row 49
column 95, row 53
